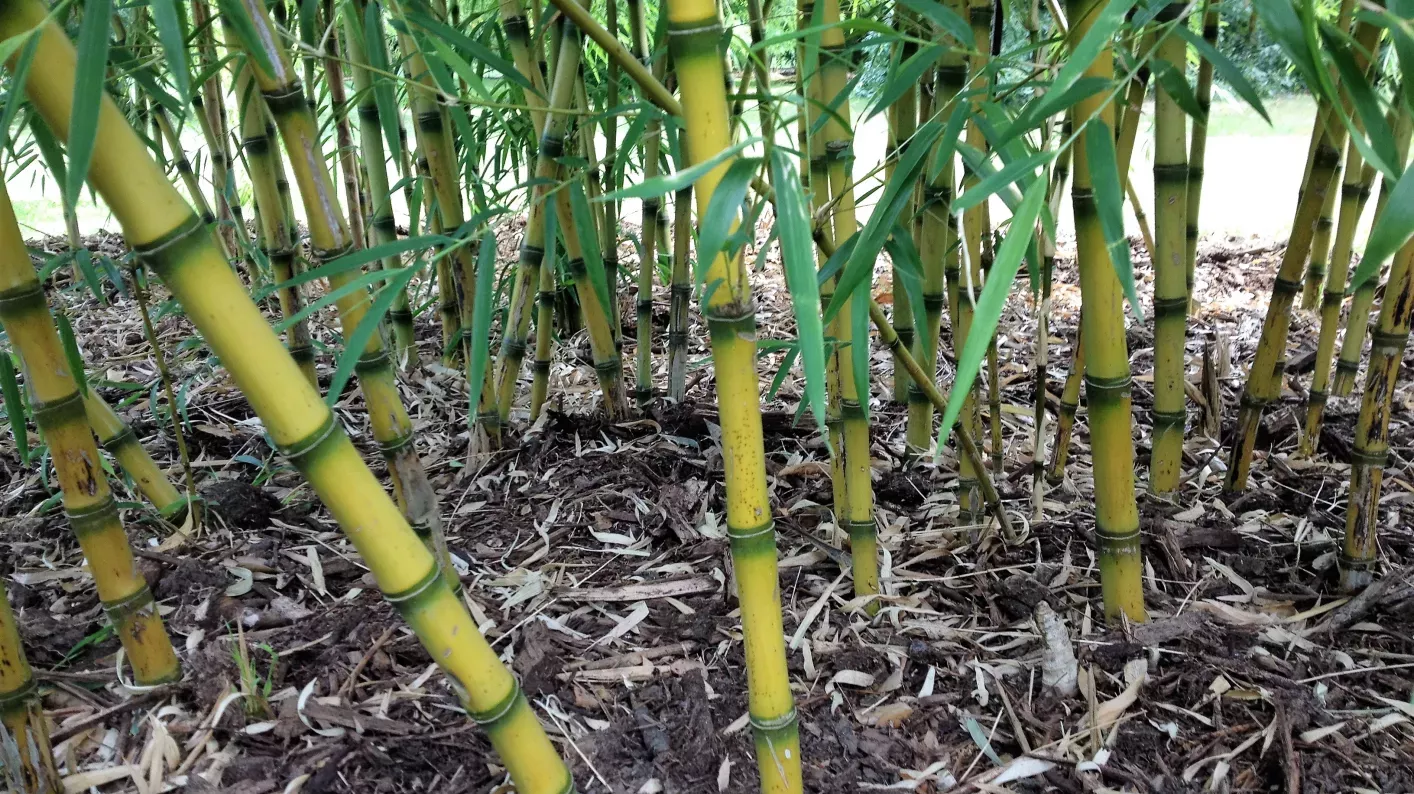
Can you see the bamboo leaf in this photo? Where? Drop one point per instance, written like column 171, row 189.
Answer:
column 1226, row 69
column 477, row 52
column 375, row 49
column 1391, row 230
column 1109, row 204
column 356, row 342
column 722, row 218
column 944, row 17
column 88, row 94
column 1397, row 19
column 909, row 267
column 898, row 194
column 669, row 183
column 165, row 15
column 1174, row 82
column 234, row 12
column 363, row 256
column 1380, row 152
column 71, row 351
column 798, row 260
column 19, row 74
column 482, row 309
column 586, row 225
column 1006, row 175
column 993, row 300
column 14, row 406
column 905, row 76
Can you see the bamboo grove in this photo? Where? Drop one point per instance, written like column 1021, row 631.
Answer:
column 387, row 150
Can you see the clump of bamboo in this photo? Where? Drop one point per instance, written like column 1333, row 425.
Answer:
column 164, row 232
column 694, row 31
column 1107, row 378
column 57, row 401
column 1170, row 270
column 1268, row 367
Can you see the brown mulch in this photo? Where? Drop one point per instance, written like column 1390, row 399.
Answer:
column 597, row 564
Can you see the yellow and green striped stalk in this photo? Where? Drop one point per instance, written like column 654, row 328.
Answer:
column 1198, row 149
column 653, row 216
column 26, row 731
column 939, row 249
column 903, row 121
column 166, row 235
column 329, row 240
column 1321, row 246
column 57, row 402
column 1359, row 554
column 266, row 168
column 118, row 438
column 1170, row 272
column 1355, row 192
column 432, row 129
column 516, row 28
column 548, row 172
column 1107, row 379
column 1268, row 367
column 694, row 33
column 370, row 138
column 858, row 513
column 1356, row 322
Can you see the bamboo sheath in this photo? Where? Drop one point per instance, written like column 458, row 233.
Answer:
column 57, row 401
column 1107, row 378
column 169, row 237
column 1170, row 270
column 694, row 32
column 26, row 731
column 1268, row 367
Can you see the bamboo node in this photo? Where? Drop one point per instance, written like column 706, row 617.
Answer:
column 120, row 610
column 18, row 695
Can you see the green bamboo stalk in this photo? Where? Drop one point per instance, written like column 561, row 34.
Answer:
column 1198, row 150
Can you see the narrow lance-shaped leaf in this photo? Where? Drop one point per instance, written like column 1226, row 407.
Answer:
column 723, row 212
column 165, row 15
column 992, row 301
column 1390, row 232
column 898, row 194
column 14, row 407
column 670, row 183
column 355, row 342
column 943, row 17
column 584, row 223
column 1109, row 204
column 1226, row 69
column 71, row 351
column 375, row 50
column 798, row 259
column 88, row 93
column 481, row 311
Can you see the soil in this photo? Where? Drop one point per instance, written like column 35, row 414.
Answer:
column 1254, row 674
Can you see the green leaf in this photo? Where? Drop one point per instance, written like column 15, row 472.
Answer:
column 1109, row 204
column 905, row 76
column 356, row 342
column 19, row 74
column 234, row 13
column 1006, row 175
column 88, row 94
column 586, row 225
column 71, row 351
column 1226, row 69
column 1381, row 149
column 363, row 256
column 993, row 300
column 477, row 52
column 14, row 406
column 375, row 48
column 898, row 194
column 165, row 15
column 723, row 214
column 798, row 261
column 1397, row 20
column 480, row 341
column 668, row 183
column 943, row 17
column 83, row 260
column 1174, row 82
column 1391, row 231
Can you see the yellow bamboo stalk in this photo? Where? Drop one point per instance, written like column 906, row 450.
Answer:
column 164, row 232
column 26, row 732
column 118, row 438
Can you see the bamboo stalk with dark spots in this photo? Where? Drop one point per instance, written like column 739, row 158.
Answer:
column 1107, row 378
column 265, row 167
column 56, row 400
column 330, row 240
column 1170, row 412
column 375, row 163
column 118, row 438
column 1360, row 551
column 164, row 232
column 694, row 31
column 1198, row 150
column 1268, row 367
column 29, row 760
column 1357, row 320
column 1321, row 244
column 1355, row 192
